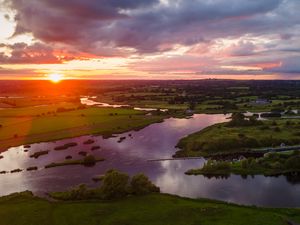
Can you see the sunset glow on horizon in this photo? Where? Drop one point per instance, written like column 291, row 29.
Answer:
column 55, row 77
column 155, row 39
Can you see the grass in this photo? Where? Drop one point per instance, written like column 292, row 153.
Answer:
column 221, row 138
column 144, row 98
column 156, row 209
column 69, row 124
column 35, row 100
column 32, row 111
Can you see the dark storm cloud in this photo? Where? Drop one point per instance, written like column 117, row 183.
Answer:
column 146, row 25
column 69, row 21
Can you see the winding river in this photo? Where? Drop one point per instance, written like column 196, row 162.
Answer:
column 132, row 154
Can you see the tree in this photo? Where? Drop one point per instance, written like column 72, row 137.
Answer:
column 114, row 185
column 141, row 185
column 237, row 119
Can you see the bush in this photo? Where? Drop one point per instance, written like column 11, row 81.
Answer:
column 115, row 185
column 244, row 164
column 277, row 129
column 293, row 162
column 265, row 127
column 38, row 154
column 141, row 185
column 88, row 142
column 241, row 135
column 239, row 119
column 66, row 146
column 77, row 193
column 216, row 166
column 89, row 160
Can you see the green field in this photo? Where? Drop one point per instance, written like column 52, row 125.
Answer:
column 215, row 103
column 156, row 209
column 35, row 124
column 221, row 138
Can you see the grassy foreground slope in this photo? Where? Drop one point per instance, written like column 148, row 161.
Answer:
column 156, row 209
column 28, row 125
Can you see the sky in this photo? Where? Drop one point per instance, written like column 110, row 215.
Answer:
column 150, row 39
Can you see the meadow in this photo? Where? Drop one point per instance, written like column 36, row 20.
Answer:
column 156, row 209
column 44, row 123
column 221, row 138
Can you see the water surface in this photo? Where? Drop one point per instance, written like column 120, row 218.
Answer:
column 153, row 142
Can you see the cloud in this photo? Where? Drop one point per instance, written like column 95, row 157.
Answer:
column 251, row 32
column 39, row 53
column 243, row 48
column 289, row 65
column 8, row 73
column 22, row 53
column 148, row 24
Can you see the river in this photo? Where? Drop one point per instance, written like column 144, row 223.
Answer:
column 153, row 142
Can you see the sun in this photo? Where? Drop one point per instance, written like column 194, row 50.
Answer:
column 55, row 77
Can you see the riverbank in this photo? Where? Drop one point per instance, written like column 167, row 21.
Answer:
column 72, row 123
column 224, row 138
column 24, row 208
column 273, row 164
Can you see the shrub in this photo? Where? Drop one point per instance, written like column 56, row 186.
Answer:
column 68, row 157
column 16, row 171
column 277, row 129
column 265, row 127
column 114, row 185
column 89, row 160
column 241, row 135
column 244, row 164
column 293, row 162
column 65, row 146
column 82, row 153
column 95, row 148
column 32, row 168
column 276, row 165
column 77, row 193
column 38, row 154
column 88, row 142
column 273, row 114
column 141, row 185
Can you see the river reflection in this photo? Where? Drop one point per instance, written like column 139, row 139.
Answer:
column 153, row 142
